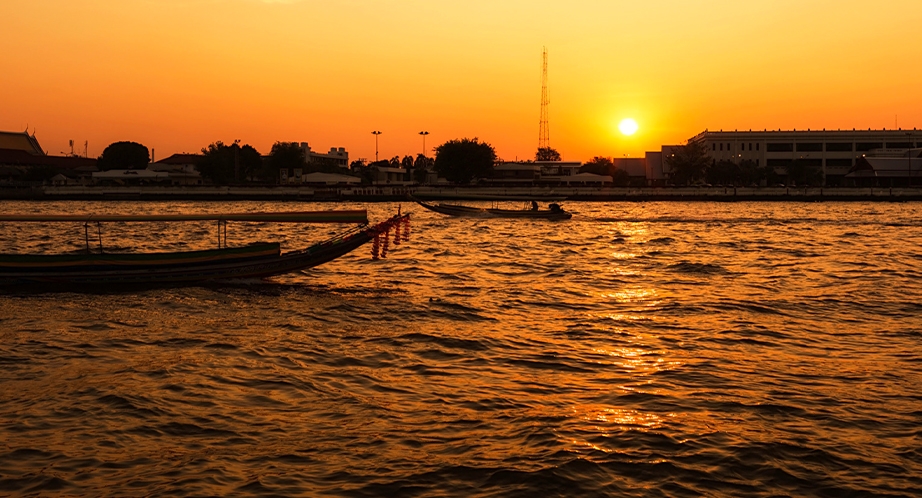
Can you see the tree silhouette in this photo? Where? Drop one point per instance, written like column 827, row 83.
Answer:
column 598, row 165
column 547, row 154
column 606, row 166
column 225, row 164
column 751, row 173
column 421, row 167
column 688, row 163
column 284, row 155
column 804, row 172
column 124, row 155
column 723, row 172
column 460, row 161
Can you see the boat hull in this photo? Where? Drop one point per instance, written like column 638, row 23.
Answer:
column 473, row 212
column 253, row 261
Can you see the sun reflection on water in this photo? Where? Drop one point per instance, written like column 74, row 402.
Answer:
column 628, row 295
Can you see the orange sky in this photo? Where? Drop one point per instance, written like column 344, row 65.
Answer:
column 177, row 75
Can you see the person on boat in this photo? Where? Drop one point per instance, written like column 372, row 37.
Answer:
column 534, row 206
column 554, row 207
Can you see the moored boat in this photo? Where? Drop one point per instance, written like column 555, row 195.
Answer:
column 258, row 260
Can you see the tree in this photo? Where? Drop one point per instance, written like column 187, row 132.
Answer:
column 805, row 172
column 369, row 173
column 124, row 155
column 723, row 172
column 460, row 161
column 606, row 166
column 421, row 167
column 423, row 162
column 598, row 165
column 284, row 155
column 751, row 173
column 688, row 163
column 547, row 154
column 407, row 164
column 225, row 164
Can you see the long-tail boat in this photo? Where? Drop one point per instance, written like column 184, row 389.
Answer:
column 555, row 212
column 257, row 260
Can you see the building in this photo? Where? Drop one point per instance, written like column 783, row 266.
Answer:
column 328, row 179
column 22, row 141
column 123, row 177
column 180, row 168
column 337, row 156
column 653, row 166
column 635, row 167
column 516, row 173
column 558, row 169
column 23, row 159
column 888, row 168
column 545, row 173
column 832, row 152
column 390, row 175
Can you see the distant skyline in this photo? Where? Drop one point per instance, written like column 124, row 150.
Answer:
column 177, row 75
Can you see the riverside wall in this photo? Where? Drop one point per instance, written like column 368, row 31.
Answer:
column 399, row 193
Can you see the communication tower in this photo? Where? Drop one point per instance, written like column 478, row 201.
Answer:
column 543, row 132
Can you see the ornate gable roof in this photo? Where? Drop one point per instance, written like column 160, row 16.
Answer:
column 20, row 141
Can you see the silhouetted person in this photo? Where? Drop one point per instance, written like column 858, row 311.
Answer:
column 534, row 206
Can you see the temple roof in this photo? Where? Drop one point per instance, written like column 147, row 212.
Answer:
column 20, row 141
column 180, row 159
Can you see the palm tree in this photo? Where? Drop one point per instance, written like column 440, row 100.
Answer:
column 688, row 163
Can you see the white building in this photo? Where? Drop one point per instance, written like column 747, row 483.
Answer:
column 833, row 152
column 390, row 175
column 180, row 168
column 337, row 156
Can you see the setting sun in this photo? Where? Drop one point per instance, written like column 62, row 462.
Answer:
column 628, row 126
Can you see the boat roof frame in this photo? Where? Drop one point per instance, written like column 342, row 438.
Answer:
column 335, row 216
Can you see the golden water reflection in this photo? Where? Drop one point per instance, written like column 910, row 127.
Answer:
column 628, row 295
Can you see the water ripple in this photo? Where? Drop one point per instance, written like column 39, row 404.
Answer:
column 654, row 349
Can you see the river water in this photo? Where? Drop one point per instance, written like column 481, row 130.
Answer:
column 639, row 349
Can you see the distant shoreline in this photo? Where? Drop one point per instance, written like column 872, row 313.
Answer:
column 399, row 193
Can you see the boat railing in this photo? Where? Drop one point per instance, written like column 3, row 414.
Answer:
column 336, row 239
column 349, row 234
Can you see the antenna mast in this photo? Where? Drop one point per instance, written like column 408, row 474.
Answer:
column 543, row 132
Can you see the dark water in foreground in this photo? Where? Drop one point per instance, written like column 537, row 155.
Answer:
column 659, row 349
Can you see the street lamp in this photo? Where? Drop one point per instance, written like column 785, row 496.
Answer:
column 424, row 133
column 376, row 133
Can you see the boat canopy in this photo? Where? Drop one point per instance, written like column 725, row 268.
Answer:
column 343, row 216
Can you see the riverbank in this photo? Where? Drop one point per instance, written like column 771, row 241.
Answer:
column 397, row 193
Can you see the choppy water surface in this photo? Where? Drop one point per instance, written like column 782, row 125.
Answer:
column 657, row 349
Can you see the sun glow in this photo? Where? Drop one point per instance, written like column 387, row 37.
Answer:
column 628, row 126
